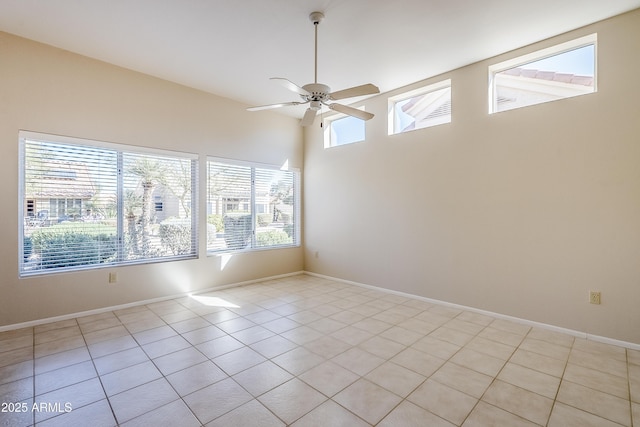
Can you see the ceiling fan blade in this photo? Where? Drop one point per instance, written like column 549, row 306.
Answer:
column 309, row 117
column 350, row 111
column 272, row 106
column 290, row 85
column 367, row 89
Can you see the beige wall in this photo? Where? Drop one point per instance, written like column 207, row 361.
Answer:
column 519, row 213
column 48, row 90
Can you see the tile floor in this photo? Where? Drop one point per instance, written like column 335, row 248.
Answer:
column 306, row 351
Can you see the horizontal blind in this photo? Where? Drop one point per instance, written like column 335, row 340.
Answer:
column 251, row 206
column 157, row 206
column 275, row 207
column 229, row 206
column 86, row 205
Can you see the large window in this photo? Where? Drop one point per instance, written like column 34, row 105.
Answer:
column 251, row 206
column 89, row 204
column 558, row 72
column 420, row 108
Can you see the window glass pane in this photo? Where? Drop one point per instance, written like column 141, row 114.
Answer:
column 423, row 108
column 274, row 190
column 229, row 220
column 345, row 130
column 151, row 232
column 88, row 205
column 250, row 207
column 73, row 189
column 562, row 75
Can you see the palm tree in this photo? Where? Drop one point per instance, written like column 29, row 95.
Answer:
column 181, row 185
column 151, row 173
column 132, row 202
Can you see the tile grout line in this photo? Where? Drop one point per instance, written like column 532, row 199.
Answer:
column 33, row 414
column 564, row 370
column 626, row 354
column 93, row 363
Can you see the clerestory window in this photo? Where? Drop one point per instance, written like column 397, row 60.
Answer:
column 341, row 130
column 420, row 108
column 563, row 71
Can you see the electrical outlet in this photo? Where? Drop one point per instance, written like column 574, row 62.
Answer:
column 113, row 277
column 594, row 297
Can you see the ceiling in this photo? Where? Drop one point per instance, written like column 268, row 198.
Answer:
column 231, row 48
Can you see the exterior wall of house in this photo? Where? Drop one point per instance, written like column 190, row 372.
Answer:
column 48, row 90
column 521, row 213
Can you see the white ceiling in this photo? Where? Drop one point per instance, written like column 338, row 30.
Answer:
column 231, row 48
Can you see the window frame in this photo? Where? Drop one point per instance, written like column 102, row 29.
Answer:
column 538, row 55
column 253, row 245
column 121, row 150
column 404, row 96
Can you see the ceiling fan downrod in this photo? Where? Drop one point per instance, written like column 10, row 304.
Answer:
column 316, row 18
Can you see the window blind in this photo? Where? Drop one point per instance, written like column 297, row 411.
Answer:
column 251, row 207
column 89, row 204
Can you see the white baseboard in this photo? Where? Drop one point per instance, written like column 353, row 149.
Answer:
column 37, row 322
column 578, row 334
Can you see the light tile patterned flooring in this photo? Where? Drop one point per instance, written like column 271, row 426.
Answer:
column 307, row 351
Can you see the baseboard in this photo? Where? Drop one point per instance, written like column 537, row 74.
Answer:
column 37, row 322
column 578, row 334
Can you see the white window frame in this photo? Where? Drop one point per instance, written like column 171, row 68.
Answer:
column 253, row 246
column 559, row 49
column 393, row 100
column 121, row 149
column 329, row 133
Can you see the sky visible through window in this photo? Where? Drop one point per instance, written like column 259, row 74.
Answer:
column 579, row 61
column 347, row 130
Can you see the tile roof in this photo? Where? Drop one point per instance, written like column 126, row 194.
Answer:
column 551, row 76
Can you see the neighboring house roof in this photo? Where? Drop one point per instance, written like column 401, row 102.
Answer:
column 519, row 87
column 432, row 107
column 61, row 180
column 551, row 76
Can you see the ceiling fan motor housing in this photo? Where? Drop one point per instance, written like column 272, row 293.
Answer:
column 317, row 92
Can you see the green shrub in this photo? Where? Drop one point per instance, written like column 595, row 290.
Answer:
column 26, row 247
column 217, row 221
column 273, row 238
column 175, row 235
column 237, row 231
column 285, row 218
column 289, row 229
column 73, row 244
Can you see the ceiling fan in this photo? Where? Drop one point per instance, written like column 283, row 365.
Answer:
column 316, row 94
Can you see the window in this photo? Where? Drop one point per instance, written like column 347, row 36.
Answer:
column 158, row 205
column 94, row 204
column 420, row 108
column 341, row 130
column 251, row 206
column 559, row 72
